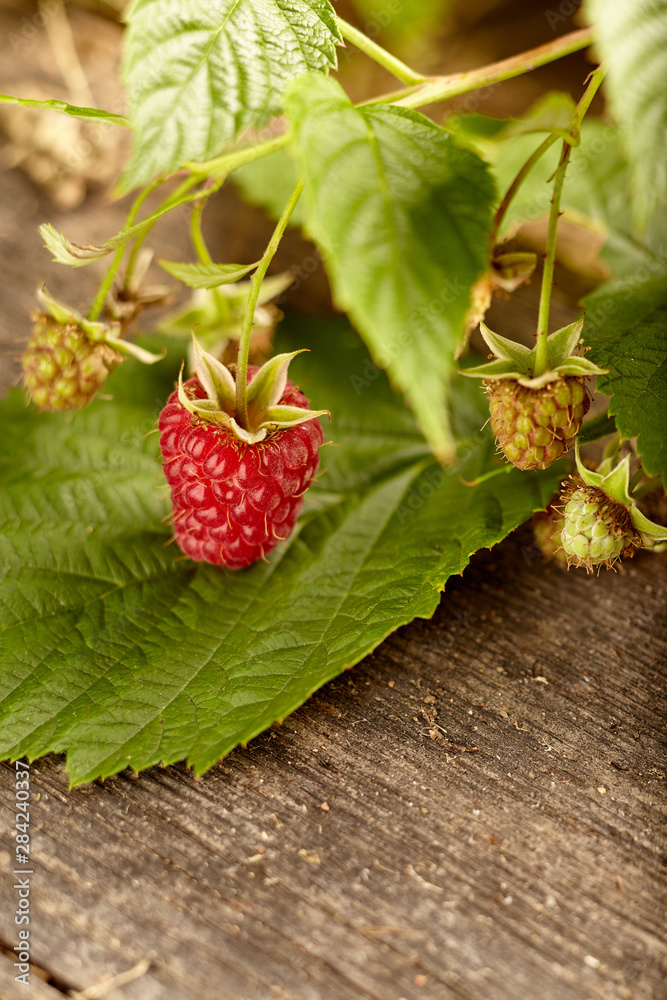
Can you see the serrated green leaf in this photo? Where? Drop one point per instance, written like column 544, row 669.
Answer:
column 631, row 37
column 72, row 110
column 596, row 196
column 200, row 74
column 626, row 328
column 121, row 652
column 402, row 215
column 207, row 275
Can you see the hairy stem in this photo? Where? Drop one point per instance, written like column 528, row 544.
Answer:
column 594, row 81
column 549, row 262
column 379, row 55
column 441, row 88
column 249, row 315
column 592, row 86
column 103, row 291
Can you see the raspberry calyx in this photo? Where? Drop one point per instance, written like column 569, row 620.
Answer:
column 601, row 522
column 536, row 417
column 68, row 358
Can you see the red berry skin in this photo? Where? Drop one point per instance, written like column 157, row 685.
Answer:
column 233, row 502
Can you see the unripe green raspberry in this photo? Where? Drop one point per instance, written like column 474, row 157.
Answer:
column 535, row 427
column 63, row 368
column 597, row 530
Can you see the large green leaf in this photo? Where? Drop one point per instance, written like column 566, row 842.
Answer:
column 596, row 192
column 402, row 215
column 121, row 652
column 626, row 328
column 631, row 36
column 200, row 74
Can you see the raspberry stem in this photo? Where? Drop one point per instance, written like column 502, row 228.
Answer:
column 594, row 81
column 432, row 90
column 379, row 55
column 549, row 262
column 105, row 287
column 441, row 88
column 199, row 243
column 251, row 305
column 516, row 184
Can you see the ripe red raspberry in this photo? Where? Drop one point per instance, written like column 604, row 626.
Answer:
column 234, row 501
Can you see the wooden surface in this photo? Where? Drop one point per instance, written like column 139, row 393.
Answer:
column 476, row 812
column 516, row 852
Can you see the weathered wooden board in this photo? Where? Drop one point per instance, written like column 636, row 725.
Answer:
column 518, row 853
column 477, row 812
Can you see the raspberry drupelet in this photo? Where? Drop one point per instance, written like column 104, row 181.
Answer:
column 233, row 500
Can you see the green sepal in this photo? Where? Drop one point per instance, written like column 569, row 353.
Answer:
column 616, row 485
column 263, row 395
column 579, row 367
column 268, row 385
column 281, row 417
column 136, row 352
column 506, row 350
column 650, row 532
column 514, row 361
column 562, row 344
column 99, row 333
column 216, row 379
column 493, row 370
column 63, row 313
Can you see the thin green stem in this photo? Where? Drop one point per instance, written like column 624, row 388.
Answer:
column 103, row 291
column 202, row 251
column 443, row 87
column 171, row 202
column 593, row 85
column 594, row 82
column 198, row 241
column 251, row 305
column 501, row 211
column 379, row 55
column 549, row 262
column 223, row 165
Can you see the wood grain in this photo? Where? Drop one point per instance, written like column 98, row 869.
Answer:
column 520, row 844
column 476, row 812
